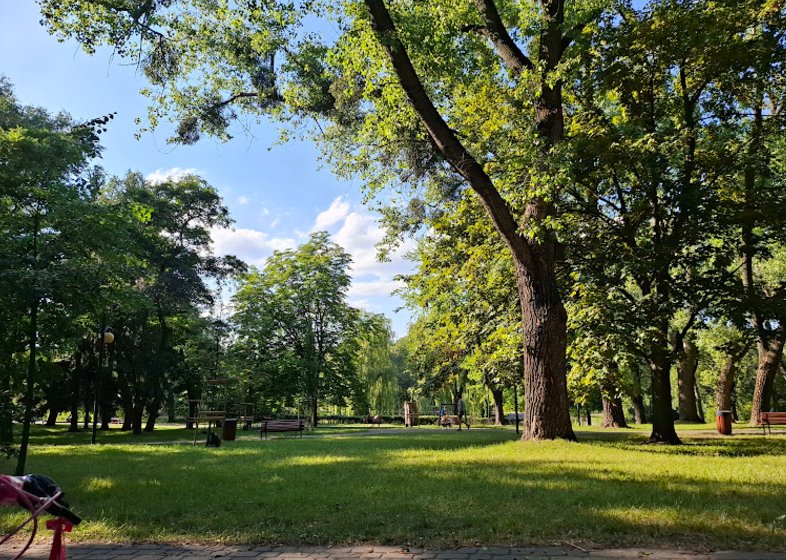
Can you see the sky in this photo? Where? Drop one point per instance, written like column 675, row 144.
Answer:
column 276, row 193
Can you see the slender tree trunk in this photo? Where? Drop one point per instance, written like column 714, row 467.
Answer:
column 6, row 416
column 662, row 414
column 686, row 382
column 699, row 404
column 192, row 407
column 770, row 353
column 314, row 417
column 170, row 407
column 30, row 384
column 76, row 374
column 51, row 417
column 578, row 414
column 499, row 404
column 589, row 416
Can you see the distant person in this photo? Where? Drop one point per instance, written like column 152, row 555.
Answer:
column 442, row 417
column 461, row 412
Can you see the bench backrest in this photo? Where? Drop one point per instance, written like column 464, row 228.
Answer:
column 271, row 425
column 773, row 417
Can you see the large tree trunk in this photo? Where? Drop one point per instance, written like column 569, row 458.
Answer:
column 662, row 414
column 686, row 382
column 770, row 353
column 499, row 405
column 544, row 318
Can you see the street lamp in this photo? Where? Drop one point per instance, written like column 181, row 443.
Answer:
column 106, row 337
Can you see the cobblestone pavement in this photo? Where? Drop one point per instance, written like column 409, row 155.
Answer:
column 370, row 552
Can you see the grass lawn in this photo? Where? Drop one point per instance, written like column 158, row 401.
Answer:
column 421, row 487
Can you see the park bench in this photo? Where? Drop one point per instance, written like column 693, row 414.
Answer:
column 769, row 419
column 271, row 426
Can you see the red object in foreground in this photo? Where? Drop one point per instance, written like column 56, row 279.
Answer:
column 723, row 422
column 58, row 546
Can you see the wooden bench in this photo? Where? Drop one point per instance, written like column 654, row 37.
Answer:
column 271, row 426
column 769, row 419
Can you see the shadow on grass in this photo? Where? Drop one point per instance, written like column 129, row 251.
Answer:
column 430, row 488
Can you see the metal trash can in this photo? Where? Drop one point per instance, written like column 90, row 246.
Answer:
column 229, row 429
column 723, row 421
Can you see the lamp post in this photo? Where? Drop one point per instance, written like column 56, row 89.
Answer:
column 106, row 336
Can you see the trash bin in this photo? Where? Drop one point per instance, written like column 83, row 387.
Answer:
column 723, row 421
column 229, row 429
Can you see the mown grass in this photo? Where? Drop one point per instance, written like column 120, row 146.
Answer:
column 427, row 487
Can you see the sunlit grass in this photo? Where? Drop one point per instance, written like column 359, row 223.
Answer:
column 425, row 487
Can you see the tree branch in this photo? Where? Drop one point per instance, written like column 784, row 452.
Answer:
column 443, row 137
column 496, row 32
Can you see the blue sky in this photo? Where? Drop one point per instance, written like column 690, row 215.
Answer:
column 277, row 194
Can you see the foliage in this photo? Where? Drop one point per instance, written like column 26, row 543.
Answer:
column 295, row 326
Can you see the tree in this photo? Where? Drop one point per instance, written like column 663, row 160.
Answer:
column 49, row 231
column 376, row 373
column 169, row 280
column 373, row 89
column 298, row 303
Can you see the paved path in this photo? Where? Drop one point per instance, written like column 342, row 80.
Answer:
column 370, row 552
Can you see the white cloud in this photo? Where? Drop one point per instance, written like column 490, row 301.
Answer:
column 250, row 245
column 339, row 209
column 173, row 173
column 242, row 200
column 374, row 288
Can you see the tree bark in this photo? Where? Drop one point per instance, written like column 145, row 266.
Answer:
column 686, row 382
column 637, row 398
column 770, row 353
column 613, row 413
column 153, row 410
column 589, row 416
column 724, row 388
column 662, row 413
column 544, row 317
column 499, row 406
